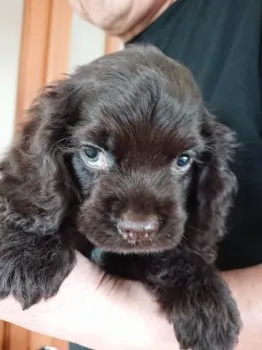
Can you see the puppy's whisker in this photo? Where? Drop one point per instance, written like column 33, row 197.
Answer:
column 195, row 229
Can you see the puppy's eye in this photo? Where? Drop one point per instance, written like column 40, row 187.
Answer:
column 183, row 161
column 92, row 154
column 94, row 158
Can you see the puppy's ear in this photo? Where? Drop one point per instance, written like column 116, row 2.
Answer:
column 216, row 186
column 35, row 186
column 35, row 192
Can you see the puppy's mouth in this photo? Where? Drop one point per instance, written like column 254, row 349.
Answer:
column 132, row 241
column 136, row 243
column 138, row 229
column 125, row 246
column 133, row 238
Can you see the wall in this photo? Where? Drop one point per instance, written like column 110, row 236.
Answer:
column 87, row 43
column 11, row 15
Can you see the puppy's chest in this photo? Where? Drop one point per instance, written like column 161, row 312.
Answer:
column 111, row 263
column 117, row 265
column 128, row 266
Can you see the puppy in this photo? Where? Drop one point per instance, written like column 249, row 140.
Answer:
column 124, row 155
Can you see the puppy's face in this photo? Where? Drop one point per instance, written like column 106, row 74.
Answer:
column 137, row 140
column 124, row 149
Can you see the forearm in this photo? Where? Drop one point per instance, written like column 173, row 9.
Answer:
column 246, row 286
column 111, row 317
column 97, row 315
column 123, row 18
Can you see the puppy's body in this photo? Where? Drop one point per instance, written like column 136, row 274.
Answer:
column 124, row 157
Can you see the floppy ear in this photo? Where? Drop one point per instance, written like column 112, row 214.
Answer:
column 215, row 187
column 35, row 186
column 35, row 193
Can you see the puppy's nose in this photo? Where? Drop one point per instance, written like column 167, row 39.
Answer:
column 138, row 227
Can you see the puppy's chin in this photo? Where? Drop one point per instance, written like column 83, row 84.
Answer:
column 110, row 241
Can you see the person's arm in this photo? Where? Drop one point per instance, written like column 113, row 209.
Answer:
column 95, row 312
column 98, row 313
column 246, row 286
column 123, row 18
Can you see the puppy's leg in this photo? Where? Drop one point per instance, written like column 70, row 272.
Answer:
column 196, row 300
column 32, row 266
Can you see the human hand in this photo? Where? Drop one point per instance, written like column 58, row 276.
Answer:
column 95, row 311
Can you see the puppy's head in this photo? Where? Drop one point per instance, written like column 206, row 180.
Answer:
column 128, row 138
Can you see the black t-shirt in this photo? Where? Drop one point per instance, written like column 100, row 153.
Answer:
column 219, row 40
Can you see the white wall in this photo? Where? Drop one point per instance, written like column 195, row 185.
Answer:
column 11, row 16
column 87, row 43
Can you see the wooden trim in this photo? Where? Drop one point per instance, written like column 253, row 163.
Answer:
column 2, row 334
column 59, row 40
column 5, row 335
column 38, row 341
column 13, row 337
column 17, row 338
column 44, row 48
column 112, row 44
column 33, row 56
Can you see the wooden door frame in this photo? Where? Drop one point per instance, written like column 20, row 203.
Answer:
column 45, row 46
column 112, row 44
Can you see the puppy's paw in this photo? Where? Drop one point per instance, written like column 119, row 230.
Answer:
column 207, row 320
column 31, row 273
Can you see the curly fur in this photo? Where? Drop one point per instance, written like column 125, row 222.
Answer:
column 142, row 109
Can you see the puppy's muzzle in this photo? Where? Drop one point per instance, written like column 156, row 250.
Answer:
column 136, row 228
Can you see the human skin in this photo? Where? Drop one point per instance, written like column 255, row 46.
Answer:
column 122, row 18
column 96, row 312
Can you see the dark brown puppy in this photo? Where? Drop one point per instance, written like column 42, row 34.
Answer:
column 124, row 154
